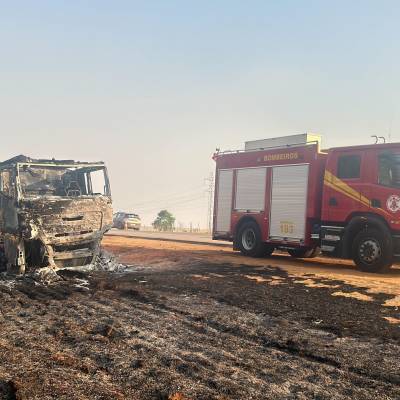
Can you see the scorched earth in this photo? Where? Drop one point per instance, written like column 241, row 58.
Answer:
column 196, row 321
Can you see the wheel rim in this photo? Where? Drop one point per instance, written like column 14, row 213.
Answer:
column 249, row 239
column 370, row 251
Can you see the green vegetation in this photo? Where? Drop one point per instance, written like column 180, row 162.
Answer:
column 165, row 221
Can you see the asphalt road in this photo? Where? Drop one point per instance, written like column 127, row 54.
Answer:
column 171, row 236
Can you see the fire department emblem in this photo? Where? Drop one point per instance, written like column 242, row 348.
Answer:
column 393, row 203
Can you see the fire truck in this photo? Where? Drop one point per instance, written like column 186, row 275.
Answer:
column 287, row 194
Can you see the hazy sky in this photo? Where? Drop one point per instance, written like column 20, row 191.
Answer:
column 153, row 87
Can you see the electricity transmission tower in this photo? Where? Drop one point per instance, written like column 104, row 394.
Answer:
column 210, row 191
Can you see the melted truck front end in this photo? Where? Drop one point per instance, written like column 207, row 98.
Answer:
column 52, row 213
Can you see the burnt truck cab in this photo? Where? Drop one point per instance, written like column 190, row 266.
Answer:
column 52, row 212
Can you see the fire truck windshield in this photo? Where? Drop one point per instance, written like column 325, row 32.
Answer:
column 389, row 170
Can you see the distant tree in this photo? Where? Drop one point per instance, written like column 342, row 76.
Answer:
column 165, row 221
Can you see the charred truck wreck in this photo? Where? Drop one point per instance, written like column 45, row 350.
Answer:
column 52, row 212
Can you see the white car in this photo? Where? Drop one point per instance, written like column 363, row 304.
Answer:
column 123, row 220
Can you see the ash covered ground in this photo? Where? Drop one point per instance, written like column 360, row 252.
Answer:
column 182, row 325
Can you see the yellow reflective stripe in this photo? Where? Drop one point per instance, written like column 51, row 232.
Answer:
column 344, row 188
column 332, row 183
column 335, row 183
column 338, row 189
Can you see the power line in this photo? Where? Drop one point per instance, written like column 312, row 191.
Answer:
column 189, row 200
column 175, row 201
column 175, row 196
column 169, row 204
column 210, row 191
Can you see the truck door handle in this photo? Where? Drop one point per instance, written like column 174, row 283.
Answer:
column 376, row 203
column 333, row 201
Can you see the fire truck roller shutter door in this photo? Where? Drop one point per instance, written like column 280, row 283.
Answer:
column 224, row 201
column 289, row 201
column 250, row 189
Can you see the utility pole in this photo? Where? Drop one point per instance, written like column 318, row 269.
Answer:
column 210, row 191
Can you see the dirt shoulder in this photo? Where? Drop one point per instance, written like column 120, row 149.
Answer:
column 197, row 322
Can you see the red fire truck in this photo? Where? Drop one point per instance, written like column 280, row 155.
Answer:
column 287, row 194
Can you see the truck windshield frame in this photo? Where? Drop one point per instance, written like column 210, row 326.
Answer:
column 37, row 180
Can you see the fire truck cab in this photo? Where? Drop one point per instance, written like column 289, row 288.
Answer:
column 287, row 194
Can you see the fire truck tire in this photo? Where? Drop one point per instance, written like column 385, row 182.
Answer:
column 250, row 243
column 372, row 251
column 303, row 253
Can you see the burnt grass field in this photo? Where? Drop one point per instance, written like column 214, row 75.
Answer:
column 195, row 330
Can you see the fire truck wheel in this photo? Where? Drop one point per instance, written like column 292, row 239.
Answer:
column 250, row 243
column 373, row 251
column 303, row 253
